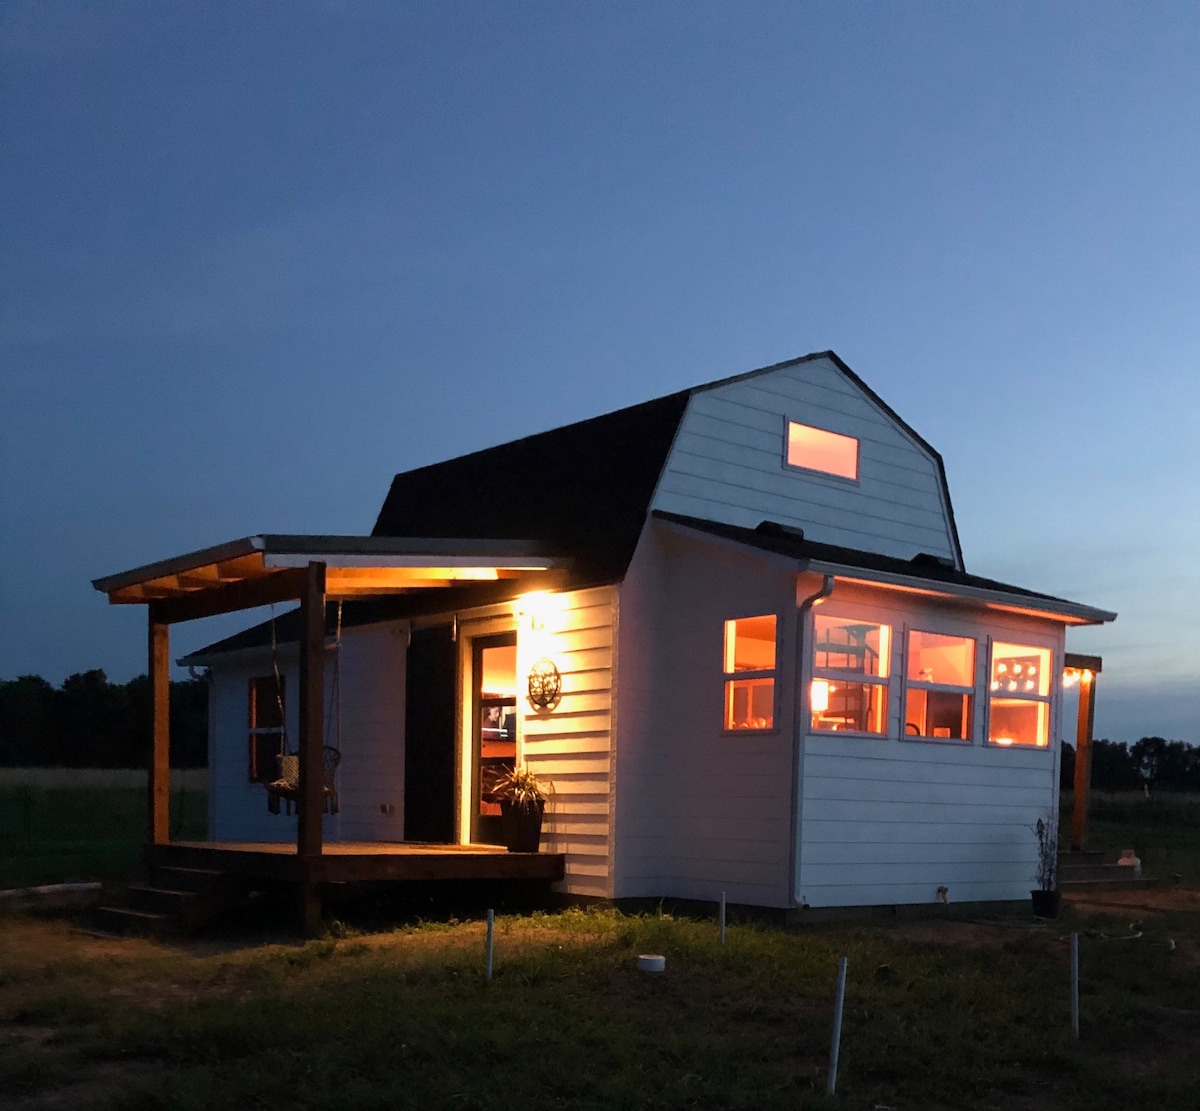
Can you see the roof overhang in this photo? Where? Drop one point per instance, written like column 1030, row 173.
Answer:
column 1050, row 609
column 355, row 566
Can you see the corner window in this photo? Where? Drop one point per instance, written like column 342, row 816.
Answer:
column 819, row 450
column 850, row 666
column 750, row 673
column 1019, row 696
column 266, row 727
column 939, row 677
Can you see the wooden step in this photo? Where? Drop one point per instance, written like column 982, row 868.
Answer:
column 199, row 880
column 161, row 900
column 127, row 922
column 1128, row 879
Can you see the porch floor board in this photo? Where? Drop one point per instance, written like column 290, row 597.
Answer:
column 360, row 861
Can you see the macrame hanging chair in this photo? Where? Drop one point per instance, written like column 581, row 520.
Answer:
column 285, row 789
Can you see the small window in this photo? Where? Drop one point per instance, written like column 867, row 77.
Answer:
column 750, row 673
column 1019, row 696
column 849, row 691
column 939, row 686
column 266, row 727
column 818, row 450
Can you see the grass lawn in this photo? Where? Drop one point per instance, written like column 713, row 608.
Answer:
column 940, row 1014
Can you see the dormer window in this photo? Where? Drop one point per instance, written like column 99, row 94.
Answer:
column 816, row 449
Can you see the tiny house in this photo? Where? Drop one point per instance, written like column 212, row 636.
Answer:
column 732, row 628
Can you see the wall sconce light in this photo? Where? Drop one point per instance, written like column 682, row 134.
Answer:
column 545, row 684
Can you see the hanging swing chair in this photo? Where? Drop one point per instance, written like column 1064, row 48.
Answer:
column 286, row 788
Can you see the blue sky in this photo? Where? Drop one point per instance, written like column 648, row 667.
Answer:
column 256, row 258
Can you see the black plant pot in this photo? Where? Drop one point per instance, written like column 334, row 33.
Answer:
column 522, row 826
column 1046, row 904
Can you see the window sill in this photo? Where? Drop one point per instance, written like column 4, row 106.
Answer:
column 838, row 733
column 917, row 738
column 771, row 732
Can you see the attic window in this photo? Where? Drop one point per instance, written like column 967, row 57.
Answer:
column 815, row 449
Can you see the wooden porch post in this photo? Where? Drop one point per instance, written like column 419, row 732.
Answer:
column 1083, row 757
column 158, row 777
column 312, row 776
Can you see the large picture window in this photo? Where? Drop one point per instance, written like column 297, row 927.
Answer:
column 850, row 666
column 266, row 727
column 750, row 673
column 939, row 678
column 1019, row 696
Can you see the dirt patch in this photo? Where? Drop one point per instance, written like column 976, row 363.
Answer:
column 1141, row 899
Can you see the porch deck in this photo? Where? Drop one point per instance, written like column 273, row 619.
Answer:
column 359, row 861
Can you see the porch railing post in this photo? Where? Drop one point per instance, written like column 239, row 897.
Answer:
column 312, row 775
column 1083, row 759
column 158, row 763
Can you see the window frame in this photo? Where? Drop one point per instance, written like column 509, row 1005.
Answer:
column 788, row 465
column 971, row 692
column 728, row 678
column 255, row 732
column 826, row 674
column 1047, row 699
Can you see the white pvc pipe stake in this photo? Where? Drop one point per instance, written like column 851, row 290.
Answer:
column 722, row 931
column 836, row 1043
column 1075, row 984
column 491, row 929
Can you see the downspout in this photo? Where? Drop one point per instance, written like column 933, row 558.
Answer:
column 798, row 725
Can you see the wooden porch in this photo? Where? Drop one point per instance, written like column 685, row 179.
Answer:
column 357, row 861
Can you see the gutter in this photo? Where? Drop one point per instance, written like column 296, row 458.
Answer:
column 800, row 671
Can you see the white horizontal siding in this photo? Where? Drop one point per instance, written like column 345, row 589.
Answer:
column 571, row 744
column 727, row 465
column 888, row 820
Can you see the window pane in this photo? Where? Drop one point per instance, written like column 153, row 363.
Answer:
column 1018, row 670
column 942, row 714
column 845, row 645
column 750, row 644
column 750, row 704
column 936, row 658
column 1016, row 721
column 850, row 707
column 822, row 451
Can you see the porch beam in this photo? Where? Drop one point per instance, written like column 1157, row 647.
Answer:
column 158, row 763
column 279, row 586
column 312, row 774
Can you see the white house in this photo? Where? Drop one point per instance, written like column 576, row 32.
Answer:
column 732, row 627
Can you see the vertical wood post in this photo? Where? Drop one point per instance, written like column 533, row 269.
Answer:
column 158, row 764
column 312, row 773
column 1083, row 759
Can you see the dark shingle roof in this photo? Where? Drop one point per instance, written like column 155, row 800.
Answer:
column 582, row 490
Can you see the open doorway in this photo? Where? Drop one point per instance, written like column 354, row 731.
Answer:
column 493, row 729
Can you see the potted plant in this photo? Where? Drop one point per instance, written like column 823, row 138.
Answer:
column 1047, row 898
column 522, row 805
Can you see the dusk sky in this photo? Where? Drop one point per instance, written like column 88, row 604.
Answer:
column 256, row 258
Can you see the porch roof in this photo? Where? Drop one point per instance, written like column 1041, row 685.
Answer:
column 356, row 566
column 923, row 574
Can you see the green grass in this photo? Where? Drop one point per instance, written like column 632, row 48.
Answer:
column 78, row 833
column 944, row 1015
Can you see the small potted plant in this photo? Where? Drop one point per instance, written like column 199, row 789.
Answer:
column 1047, row 898
column 522, row 805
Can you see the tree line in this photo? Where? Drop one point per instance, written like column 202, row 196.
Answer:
column 1152, row 763
column 89, row 722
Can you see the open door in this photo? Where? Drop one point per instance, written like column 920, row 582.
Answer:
column 429, row 736
column 494, row 729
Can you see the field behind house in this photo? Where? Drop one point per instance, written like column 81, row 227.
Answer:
column 60, row 825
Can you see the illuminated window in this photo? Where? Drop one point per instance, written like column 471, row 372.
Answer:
column 1019, row 696
column 266, row 728
column 819, row 450
column 750, row 673
column 939, row 675
column 850, row 673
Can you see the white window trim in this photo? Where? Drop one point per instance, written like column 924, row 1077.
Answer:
column 1048, row 699
column 917, row 684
